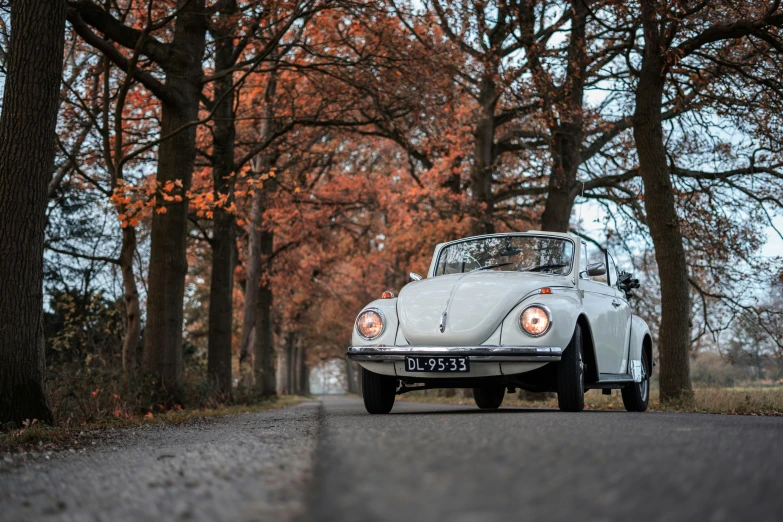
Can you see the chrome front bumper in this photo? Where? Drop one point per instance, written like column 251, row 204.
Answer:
column 474, row 353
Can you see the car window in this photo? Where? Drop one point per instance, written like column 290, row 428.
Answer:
column 583, row 261
column 541, row 254
column 596, row 255
column 611, row 270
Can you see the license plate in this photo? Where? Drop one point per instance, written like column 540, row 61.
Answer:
column 437, row 364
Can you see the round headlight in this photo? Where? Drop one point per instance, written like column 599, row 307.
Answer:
column 369, row 324
column 535, row 320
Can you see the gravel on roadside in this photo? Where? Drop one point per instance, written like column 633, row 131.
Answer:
column 252, row 466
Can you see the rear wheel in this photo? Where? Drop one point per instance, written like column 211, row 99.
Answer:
column 571, row 375
column 489, row 397
column 378, row 392
column 636, row 395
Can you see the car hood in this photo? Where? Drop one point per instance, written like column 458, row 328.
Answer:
column 477, row 302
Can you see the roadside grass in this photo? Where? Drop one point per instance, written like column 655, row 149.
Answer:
column 766, row 401
column 43, row 437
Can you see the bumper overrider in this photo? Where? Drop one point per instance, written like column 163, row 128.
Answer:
column 380, row 353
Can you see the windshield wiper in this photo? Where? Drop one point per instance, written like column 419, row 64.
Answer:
column 491, row 266
column 539, row 268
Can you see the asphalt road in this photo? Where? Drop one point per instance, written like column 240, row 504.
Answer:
column 328, row 460
column 243, row 467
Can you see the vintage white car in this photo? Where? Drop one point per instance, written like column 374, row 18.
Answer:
column 540, row 311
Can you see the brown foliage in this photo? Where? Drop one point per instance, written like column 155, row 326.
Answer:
column 392, row 127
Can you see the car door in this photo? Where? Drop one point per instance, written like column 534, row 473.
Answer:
column 600, row 305
column 622, row 309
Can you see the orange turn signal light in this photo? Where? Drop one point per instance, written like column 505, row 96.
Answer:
column 387, row 295
column 546, row 290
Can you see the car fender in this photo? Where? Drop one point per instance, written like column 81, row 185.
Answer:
column 566, row 310
column 640, row 335
column 388, row 308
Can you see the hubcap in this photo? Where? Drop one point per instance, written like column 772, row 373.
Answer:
column 645, row 384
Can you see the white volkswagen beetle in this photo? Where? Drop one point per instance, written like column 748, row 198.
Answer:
column 541, row 311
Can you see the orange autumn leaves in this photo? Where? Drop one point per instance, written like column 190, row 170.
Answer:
column 133, row 202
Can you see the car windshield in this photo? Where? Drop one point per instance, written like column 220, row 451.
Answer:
column 541, row 254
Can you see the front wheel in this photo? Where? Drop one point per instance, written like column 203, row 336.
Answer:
column 571, row 375
column 378, row 392
column 489, row 397
column 636, row 395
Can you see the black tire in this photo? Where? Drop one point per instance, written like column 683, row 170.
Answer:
column 637, row 395
column 489, row 397
column 378, row 392
column 571, row 375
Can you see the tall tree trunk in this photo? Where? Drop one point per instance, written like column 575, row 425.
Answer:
column 132, row 308
column 255, row 266
column 297, row 384
column 562, row 189
column 282, row 370
column 27, row 148
column 299, row 365
column 264, row 350
column 287, row 364
column 168, row 262
column 304, row 371
column 114, row 163
column 659, row 202
column 292, row 366
column 292, row 361
column 483, row 206
column 568, row 133
column 253, row 275
column 253, row 269
column 224, row 232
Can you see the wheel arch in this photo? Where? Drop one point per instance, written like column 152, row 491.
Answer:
column 588, row 349
column 647, row 352
column 641, row 345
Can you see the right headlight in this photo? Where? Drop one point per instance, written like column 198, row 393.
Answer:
column 370, row 324
column 535, row 320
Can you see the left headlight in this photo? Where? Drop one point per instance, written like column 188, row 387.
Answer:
column 535, row 320
column 370, row 324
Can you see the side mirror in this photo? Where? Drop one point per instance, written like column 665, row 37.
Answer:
column 626, row 282
column 414, row 276
column 596, row 269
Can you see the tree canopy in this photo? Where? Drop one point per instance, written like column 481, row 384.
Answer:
column 240, row 177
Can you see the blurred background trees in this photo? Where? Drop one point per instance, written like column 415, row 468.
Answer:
column 234, row 179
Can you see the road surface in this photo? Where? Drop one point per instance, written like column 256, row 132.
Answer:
column 327, row 460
